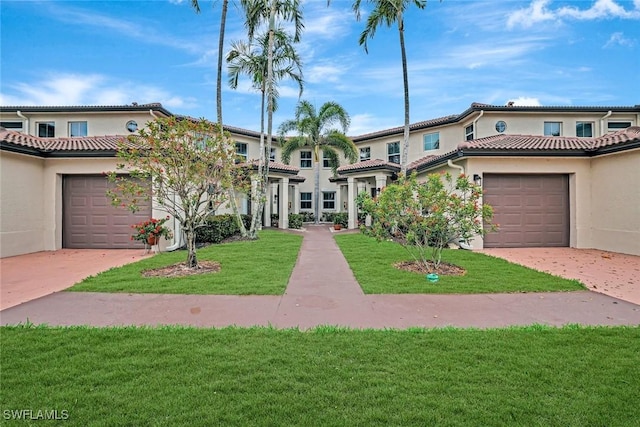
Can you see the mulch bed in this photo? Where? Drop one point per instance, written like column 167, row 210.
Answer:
column 180, row 270
column 445, row 269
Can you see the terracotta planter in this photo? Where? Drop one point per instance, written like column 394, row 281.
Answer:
column 152, row 240
column 337, row 227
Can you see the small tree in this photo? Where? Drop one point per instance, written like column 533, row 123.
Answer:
column 425, row 217
column 188, row 165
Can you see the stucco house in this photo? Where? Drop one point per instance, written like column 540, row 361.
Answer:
column 556, row 176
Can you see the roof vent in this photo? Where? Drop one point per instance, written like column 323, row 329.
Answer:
column 510, row 104
column 135, row 104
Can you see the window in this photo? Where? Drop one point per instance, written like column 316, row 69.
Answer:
column 272, row 155
column 241, row 151
column 584, row 129
column 305, row 159
column 15, row 126
column 552, row 128
column 468, row 133
column 393, row 151
column 616, row 126
column 326, row 160
column 77, row 129
column 365, row 153
column 46, row 129
column 431, row 141
column 329, row 200
column 305, row 200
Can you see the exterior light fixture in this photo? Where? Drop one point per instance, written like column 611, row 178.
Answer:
column 477, row 179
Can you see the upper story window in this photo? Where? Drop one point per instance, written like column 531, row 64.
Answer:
column 469, row 133
column 46, row 129
column 431, row 141
column 305, row 159
column 584, row 129
column 241, row 151
column 616, row 126
column 365, row 153
column 393, row 152
column 272, row 155
column 553, row 128
column 326, row 160
column 14, row 126
column 77, row 129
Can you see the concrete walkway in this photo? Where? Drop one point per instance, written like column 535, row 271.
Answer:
column 323, row 291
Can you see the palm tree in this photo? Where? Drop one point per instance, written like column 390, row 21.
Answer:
column 250, row 58
column 315, row 130
column 259, row 12
column 388, row 12
column 223, row 20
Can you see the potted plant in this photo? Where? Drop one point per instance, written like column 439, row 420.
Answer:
column 340, row 220
column 151, row 230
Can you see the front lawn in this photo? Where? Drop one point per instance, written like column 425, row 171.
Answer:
column 372, row 264
column 534, row 376
column 260, row 267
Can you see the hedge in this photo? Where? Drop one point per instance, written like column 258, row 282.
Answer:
column 219, row 227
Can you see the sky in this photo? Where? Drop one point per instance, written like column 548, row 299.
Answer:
column 532, row 52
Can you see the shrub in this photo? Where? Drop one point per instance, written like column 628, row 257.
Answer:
column 327, row 216
column 295, row 221
column 308, row 216
column 341, row 218
column 274, row 220
column 219, row 227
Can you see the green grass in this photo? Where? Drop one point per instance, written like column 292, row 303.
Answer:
column 372, row 264
column 535, row 376
column 260, row 267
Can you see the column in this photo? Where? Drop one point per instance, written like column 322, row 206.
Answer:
column 296, row 199
column 267, row 207
column 381, row 182
column 351, row 202
column 284, row 203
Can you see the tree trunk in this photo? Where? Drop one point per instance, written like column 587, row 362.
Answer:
column 223, row 19
column 262, row 185
column 316, row 184
column 192, row 260
column 405, row 79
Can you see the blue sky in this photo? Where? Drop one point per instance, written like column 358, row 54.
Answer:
column 539, row 52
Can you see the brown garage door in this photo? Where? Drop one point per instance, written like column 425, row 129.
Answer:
column 89, row 220
column 532, row 210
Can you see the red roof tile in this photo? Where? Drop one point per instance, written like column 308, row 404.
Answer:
column 369, row 164
column 275, row 166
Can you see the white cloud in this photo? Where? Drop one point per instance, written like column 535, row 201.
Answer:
column 618, row 38
column 525, row 101
column 89, row 89
column 324, row 73
column 539, row 11
column 367, row 123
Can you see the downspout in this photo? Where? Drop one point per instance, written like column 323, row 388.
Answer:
column 463, row 245
column 178, row 237
column 602, row 122
column 26, row 119
column 475, row 125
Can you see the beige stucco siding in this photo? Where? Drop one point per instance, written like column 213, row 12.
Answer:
column 615, row 213
column 22, row 220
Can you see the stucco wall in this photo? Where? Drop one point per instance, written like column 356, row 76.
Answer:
column 615, row 214
column 22, row 220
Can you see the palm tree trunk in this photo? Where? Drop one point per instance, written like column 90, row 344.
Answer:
column 272, row 27
column 262, row 185
column 405, row 79
column 316, row 184
column 223, row 19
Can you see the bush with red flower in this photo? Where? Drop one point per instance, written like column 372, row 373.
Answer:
column 151, row 229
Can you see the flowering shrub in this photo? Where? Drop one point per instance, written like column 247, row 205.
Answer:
column 151, row 228
column 425, row 216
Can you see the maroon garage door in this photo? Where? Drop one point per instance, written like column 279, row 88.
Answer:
column 532, row 210
column 89, row 220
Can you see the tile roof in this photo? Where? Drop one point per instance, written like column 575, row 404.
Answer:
column 369, row 164
column 400, row 129
column 536, row 145
column 85, row 143
column 156, row 106
column 274, row 166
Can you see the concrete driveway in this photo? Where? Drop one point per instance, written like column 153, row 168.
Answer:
column 27, row 277
column 609, row 273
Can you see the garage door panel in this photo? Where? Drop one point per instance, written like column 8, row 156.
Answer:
column 89, row 220
column 535, row 215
